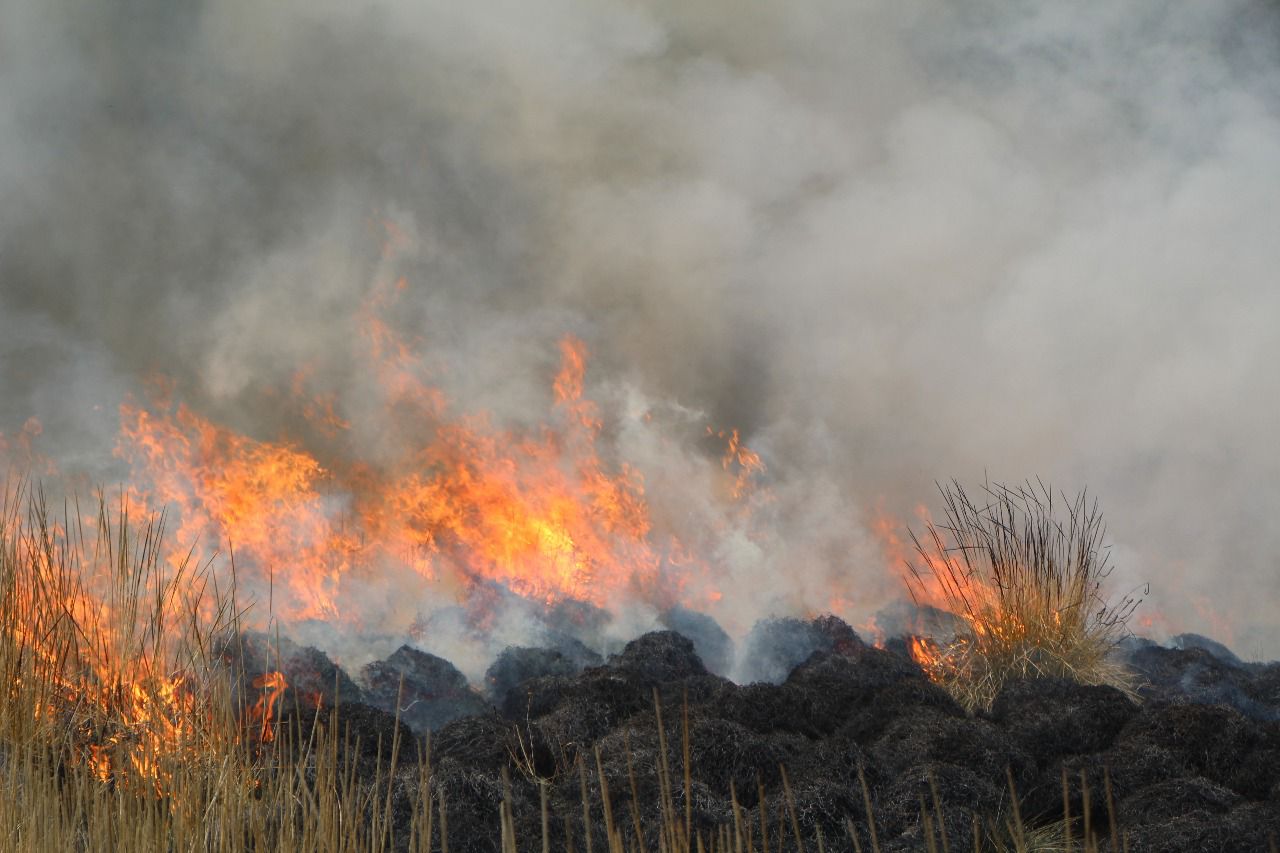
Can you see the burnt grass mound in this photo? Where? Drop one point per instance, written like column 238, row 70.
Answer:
column 1193, row 766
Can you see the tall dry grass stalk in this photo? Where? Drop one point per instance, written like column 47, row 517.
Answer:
column 1028, row 588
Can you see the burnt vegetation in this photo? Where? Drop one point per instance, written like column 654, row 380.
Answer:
column 792, row 763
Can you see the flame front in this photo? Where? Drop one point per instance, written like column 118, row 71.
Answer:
column 462, row 502
column 311, row 520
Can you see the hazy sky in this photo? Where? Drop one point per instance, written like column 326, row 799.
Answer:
column 893, row 241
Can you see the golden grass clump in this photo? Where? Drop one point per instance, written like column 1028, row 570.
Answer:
column 1027, row 587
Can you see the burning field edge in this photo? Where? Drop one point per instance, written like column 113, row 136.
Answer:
column 141, row 714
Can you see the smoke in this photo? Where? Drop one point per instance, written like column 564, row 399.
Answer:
column 891, row 241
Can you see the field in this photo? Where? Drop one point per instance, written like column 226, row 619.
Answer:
column 132, row 720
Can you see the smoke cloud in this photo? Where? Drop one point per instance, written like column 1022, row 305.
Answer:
column 891, row 241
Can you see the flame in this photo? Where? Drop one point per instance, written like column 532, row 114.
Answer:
column 1024, row 593
column 738, row 458
column 461, row 501
column 74, row 654
column 871, row 631
column 102, row 641
column 318, row 409
column 263, row 712
column 545, row 511
column 263, row 498
column 18, row 451
column 150, row 721
column 927, row 653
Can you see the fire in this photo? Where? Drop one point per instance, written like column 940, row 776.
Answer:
column 1024, row 588
column 870, row 630
column 987, row 613
column 91, row 642
column 949, row 588
column 19, row 450
column 461, row 501
column 273, row 685
column 739, row 458
column 545, row 511
column 148, row 722
column 927, row 653
column 260, row 497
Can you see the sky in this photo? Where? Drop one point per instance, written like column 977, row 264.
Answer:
column 893, row 242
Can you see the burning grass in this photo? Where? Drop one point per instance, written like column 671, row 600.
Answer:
column 105, row 654
column 120, row 730
column 1028, row 589
column 119, row 725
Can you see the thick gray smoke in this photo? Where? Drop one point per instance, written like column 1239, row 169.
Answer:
column 893, row 241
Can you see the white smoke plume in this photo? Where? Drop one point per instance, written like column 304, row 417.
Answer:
column 892, row 241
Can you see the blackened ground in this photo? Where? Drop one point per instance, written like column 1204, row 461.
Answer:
column 425, row 690
column 1194, row 767
column 776, row 646
column 1200, row 671
column 516, row 665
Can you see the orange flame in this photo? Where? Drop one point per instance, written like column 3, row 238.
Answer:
column 459, row 500
column 263, row 712
column 738, row 458
column 926, row 653
column 466, row 504
column 260, row 497
column 18, row 451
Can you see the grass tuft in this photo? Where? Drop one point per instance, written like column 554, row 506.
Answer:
column 1028, row 588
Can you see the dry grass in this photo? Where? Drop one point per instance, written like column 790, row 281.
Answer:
column 1028, row 587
